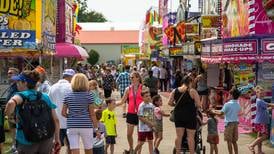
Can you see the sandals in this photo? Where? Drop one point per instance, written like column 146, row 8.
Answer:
column 251, row 149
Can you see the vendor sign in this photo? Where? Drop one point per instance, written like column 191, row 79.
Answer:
column 216, row 49
column 17, row 24
column 176, row 51
column 268, row 45
column 244, row 77
column 130, row 49
column 240, row 47
column 49, row 25
column 212, row 21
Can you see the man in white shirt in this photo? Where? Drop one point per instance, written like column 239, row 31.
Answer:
column 163, row 78
column 156, row 71
column 57, row 93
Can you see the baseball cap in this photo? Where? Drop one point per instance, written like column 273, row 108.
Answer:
column 68, row 72
column 22, row 77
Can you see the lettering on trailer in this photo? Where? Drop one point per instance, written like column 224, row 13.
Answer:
column 12, row 7
column 268, row 45
column 14, row 38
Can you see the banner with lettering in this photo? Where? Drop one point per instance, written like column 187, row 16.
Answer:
column 49, row 25
column 17, row 25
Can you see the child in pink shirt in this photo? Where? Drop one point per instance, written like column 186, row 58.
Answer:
column 159, row 113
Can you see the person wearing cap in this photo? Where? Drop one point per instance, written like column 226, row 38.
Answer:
column 57, row 93
column 26, row 85
column 43, row 85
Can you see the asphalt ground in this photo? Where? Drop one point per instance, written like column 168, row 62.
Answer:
column 167, row 143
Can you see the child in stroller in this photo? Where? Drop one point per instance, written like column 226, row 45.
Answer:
column 198, row 137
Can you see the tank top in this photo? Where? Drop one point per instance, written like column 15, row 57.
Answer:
column 134, row 99
column 202, row 84
column 186, row 110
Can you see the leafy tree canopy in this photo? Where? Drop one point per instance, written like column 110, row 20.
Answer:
column 93, row 57
column 86, row 15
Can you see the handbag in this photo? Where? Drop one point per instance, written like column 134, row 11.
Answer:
column 171, row 117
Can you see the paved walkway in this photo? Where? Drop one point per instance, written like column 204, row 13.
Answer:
column 169, row 135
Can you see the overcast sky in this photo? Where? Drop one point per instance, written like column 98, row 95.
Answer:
column 130, row 10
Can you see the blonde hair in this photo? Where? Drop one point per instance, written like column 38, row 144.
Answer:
column 258, row 88
column 79, row 83
column 93, row 83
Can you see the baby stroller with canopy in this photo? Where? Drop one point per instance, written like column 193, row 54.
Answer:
column 199, row 147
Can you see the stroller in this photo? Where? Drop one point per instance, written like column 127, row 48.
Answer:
column 198, row 138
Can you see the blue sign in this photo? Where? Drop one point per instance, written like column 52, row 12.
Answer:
column 17, row 39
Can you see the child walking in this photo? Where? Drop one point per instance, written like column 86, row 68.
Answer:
column 109, row 119
column 159, row 113
column 146, row 123
column 98, row 143
column 97, row 95
column 261, row 120
column 212, row 130
column 231, row 110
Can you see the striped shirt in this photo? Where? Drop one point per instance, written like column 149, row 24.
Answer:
column 78, row 106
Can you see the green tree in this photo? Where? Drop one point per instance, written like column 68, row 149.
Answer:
column 93, row 57
column 85, row 15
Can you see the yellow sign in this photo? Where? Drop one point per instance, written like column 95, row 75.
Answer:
column 18, row 24
column 130, row 49
column 176, row 51
column 212, row 21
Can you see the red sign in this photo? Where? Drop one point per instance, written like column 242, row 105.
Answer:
column 241, row 47
column 268, row 46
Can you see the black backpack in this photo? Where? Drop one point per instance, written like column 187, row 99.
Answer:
column 36, row 119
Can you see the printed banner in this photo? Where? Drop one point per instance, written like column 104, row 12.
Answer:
column 69, row 22
column 216, row 49
column 268, row 45
column 17, row 24
column 244, row 77
column 235, row 18
column 264, row 13
column 49, row 25
column 130, row 49
column 241, row 47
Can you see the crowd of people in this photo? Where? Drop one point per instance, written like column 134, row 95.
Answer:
column 43, row 116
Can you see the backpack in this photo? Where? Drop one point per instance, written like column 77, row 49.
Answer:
column 36, row 119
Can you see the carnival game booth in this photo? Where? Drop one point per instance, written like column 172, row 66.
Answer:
column 243, row 62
